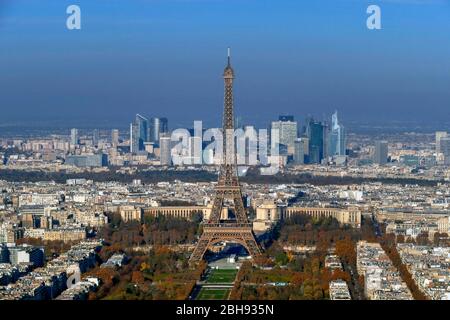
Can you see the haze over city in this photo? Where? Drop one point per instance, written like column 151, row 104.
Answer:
column 163, row 58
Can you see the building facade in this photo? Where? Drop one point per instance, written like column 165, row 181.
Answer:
column 349, row 216
column 381, row 152
column 337, row 141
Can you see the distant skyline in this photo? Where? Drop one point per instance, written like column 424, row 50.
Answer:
column 165, row 58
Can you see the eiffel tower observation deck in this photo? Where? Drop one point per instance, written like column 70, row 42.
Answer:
column 238, row 230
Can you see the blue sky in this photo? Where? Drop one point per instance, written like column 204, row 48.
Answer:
column 165, row 58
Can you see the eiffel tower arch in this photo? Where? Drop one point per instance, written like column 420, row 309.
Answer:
column 239, row 229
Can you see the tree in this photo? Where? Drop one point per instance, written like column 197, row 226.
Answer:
column 281, row 258
column 137, row 277
column 423, row 239
column 345, row 249
column 391, row 251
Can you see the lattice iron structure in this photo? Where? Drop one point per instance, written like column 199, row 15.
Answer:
column 228, row 188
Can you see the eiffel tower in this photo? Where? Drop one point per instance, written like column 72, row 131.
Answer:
column 228, row 189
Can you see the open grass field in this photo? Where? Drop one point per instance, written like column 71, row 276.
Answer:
column 221, row 276
column 213, row 294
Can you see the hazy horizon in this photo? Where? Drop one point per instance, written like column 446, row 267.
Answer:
column 165, row 58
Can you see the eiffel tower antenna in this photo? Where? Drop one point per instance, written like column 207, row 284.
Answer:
column 216, row 229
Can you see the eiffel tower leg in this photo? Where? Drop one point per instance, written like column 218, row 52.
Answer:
column 252, row 247
column 249, row 241
column 200, row 249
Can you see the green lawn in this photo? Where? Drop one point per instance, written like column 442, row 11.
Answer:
column 213, row 294
column 221, row 276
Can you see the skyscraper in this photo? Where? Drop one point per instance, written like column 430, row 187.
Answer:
column 444, row 149
column 142, row 123
column 134, row 138
column 439, row 136
column 164, row 125
column 115, row 138
column 195, row 149
column 154, row 130
column 287, row 131
column 381, row 152
column 165, row 150
column 95, row 137
column 315, row 131
column 299, row 154
column 74, row 137
column 157, row 126
column 337, row 143
column 238, row 122
column 138, row 133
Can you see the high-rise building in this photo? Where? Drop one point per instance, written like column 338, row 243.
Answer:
column 315, row 131
column 115, row 138
column 142, row 123
column 287, row 132
column 305, row 146
column 439, row 136
column 165, row 150
column 134, row 138
column 337, row 143
column 381, row 152
column 195, row 150
column 138, row 134
column 95, row 137
column 154, row 130
column 444, row 148
column 299, row 154
column 74, row 137
column 238, row 122
column 164, row 125
column 251, row 151
column 157, row 126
